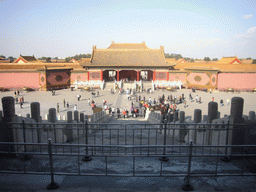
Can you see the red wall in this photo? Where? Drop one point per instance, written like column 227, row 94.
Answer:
column 177, row 77
column 18, row 80
column 239, row 81
column 191, row 78
column 51, row 77
column 75, row 76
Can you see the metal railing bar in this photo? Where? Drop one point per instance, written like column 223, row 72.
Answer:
column 131, row 175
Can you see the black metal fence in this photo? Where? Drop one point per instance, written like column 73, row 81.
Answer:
column 125, row 150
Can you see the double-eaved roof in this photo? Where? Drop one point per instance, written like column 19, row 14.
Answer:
column 128, row 55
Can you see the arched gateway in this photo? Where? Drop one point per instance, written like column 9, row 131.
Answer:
column 129, row 61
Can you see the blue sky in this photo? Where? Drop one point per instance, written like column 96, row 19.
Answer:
column 67, row 27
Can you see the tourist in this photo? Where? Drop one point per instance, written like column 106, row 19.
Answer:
column 78, row 97
column 98, row 93
column 89, row 101
column 174, row 108
column 105, row 107
column 58, row 108
column 113, row 111
column 221, row 102
column 139, row 97
column 22, row 98
column 118, row 113
column 75, row 107
column 67, row 104
column 17, row 100
column 228, row 102
column 197, row 98
column 127, row 112
column 103, row 102
column 132, row 111
column 21, row 104
column 18, row 93
column 212, row 99
column 15, row 93
column 124, row 113
column 185, row 104
column 136, row 112
column 64, row 103
column 200, row 101
column 92, row 105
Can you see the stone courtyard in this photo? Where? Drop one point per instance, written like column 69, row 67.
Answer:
column 48, row 101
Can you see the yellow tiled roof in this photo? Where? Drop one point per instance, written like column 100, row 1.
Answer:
column 171, row 60
column 38, row 65
column 128, row 46
column 28, row 59
column 128, row 57
column 247, row 61
column 242, row 68
column 227, row 60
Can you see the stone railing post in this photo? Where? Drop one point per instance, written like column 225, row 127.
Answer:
column 35, row 114
column 238, row 133
column 69, row 130
column 8, row 106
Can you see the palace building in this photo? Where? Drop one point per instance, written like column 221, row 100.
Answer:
column 132, row 62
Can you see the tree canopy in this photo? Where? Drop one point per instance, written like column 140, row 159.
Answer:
column 78, row 57
column 173, row 55
column 207, row 59
column 48, row 59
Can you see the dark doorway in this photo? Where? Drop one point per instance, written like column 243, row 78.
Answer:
column 129, row 75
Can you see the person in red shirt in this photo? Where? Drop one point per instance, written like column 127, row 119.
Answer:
column 124, row 113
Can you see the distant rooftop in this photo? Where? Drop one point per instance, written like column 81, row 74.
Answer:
column 128, row 45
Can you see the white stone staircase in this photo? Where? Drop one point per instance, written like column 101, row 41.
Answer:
column 109, row 86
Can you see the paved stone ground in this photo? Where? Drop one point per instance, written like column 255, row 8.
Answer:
column 48, row 101
column 122, row 164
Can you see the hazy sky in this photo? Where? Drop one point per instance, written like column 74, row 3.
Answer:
column 64, row 28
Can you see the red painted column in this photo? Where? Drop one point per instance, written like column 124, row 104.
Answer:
column 154, row 75
column 101, row 75
column 88, row 76
column 167, row 76
column 138, row 75
column 117, row 75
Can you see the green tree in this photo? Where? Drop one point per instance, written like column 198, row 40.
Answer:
column 254, row 61
column 67, row 59
column 207, row 59
column 215, row 59
column 48, row 59
column 42, row 58
column 248, row 58
column 3, row 56
column 56, row 58
column 11, row 58
column 167, row 55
